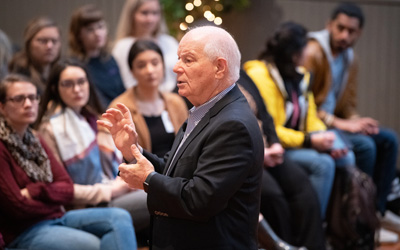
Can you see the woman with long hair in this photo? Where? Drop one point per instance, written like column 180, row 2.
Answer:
column 142, row 19
column 42, row 48
column 34, row 187
column 284, row 86
column 67, row 122
column 88, row 42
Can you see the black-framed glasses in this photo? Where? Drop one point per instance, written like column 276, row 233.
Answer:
column 69, row 83
column 20, row 99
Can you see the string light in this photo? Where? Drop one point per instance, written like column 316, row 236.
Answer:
column 218, row 21
column 207, row 14
column 207, row 11
column 183, row 26
column 219, row 7
column 189, row 19
column 197, row 3
column 189, row 6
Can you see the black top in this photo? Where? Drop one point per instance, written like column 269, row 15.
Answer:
column 161, row 141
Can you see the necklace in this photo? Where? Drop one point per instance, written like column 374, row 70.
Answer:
column 150, row 108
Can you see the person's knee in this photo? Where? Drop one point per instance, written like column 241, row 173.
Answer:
column 66, row 238
column 390, row 138
column 326, row 165
column 366, row 145
column 119, row 215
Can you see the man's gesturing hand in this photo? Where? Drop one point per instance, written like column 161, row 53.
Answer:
column 120, row 125
column 136, row 174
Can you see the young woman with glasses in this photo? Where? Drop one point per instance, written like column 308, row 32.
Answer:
column 67, row 122
column 34, row 187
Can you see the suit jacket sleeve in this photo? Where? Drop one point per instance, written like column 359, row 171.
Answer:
column 216, row 170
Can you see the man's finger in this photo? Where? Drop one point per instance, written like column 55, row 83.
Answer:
column 105, row 124
column 130, row 128
column 116, row 113
column 124, row 110
column 136, row 152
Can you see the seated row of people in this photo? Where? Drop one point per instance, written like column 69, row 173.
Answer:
column 69, row 101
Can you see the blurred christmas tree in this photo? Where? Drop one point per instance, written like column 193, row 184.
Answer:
column 179, row 14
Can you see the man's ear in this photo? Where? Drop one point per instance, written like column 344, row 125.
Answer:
column 221, row 68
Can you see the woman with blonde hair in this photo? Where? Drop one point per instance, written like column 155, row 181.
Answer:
column 42, row 48
column 88, row 42
column 142, row 19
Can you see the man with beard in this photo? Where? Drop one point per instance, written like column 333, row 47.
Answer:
column 330, row 56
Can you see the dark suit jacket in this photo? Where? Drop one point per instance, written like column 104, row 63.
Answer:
column 211, row 198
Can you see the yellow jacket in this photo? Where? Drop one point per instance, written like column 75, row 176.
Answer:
column 272, row 90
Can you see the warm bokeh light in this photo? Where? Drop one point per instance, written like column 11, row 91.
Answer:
column 197, row 3
column 206, row 7
column 189, row 6
column 211, row 17
column 219, row 7
column 189, row 19
column 218, row 21
column 207, row 14
column 183, row 26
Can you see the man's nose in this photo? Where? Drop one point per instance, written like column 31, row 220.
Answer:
column 345, row 34
column 177, row 66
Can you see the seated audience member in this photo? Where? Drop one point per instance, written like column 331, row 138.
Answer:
column 142, row 19
column 330, row 57
column 34, row 187
column 284, row 88
column 157, row 115
column 67, row 122
column 42, row 48
column 288, row 200
column 89, row 43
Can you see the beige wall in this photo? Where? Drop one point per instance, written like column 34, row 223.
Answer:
column 378, row 48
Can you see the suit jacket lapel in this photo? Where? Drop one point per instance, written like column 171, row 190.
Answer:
column 228, row 98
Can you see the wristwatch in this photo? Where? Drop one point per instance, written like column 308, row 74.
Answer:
column 146, row 182
column 145, row 186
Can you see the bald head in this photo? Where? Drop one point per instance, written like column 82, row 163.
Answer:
column 217, row 42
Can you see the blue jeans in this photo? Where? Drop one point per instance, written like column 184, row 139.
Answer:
column 320, row 168
column 376, row 155
column 91, row 228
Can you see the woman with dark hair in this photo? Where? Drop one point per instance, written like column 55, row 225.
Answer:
column 284, row 87
column 157, row 115
column 42, row 48
column 67, row 122
column 34, row 187
column 88, row 41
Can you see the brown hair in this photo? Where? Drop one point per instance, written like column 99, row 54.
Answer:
column 8, row 81
column 23, row 59
column 82, row 17
column 51, row 98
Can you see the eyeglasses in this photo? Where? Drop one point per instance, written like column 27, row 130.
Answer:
column 68, row 84
column 20, row 99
